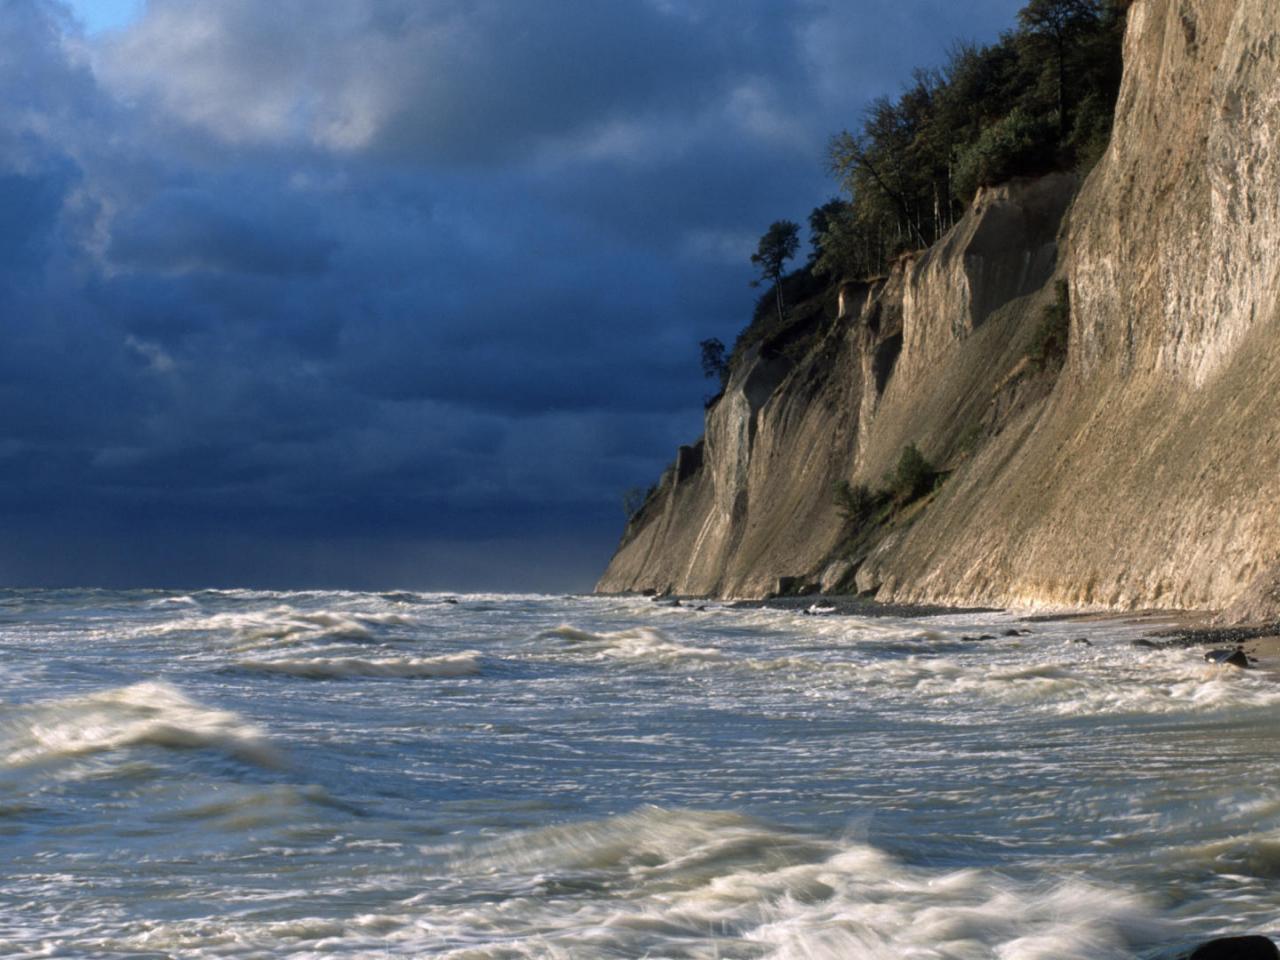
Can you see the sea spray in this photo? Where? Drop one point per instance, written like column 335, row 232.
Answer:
column 142, row 714
column 321, row 774
column 337, row 668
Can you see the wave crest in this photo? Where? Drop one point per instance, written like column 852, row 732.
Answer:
column 335, row 668
column 656, row 876
column 143, row 714
column 289, row 625
column 637, row 643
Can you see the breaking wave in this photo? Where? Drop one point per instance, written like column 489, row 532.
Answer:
column 725, row 885
column 334, row 668
column 638, row 643
column 143, row 714
column 288, row 625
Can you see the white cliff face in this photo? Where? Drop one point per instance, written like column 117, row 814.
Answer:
column 1182, row 220
column 787, row 430
column 1004, row 249
column 961, row 310
column 1241, row 235
column 1150, row 475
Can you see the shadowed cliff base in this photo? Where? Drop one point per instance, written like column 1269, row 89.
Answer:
column 1137, row 468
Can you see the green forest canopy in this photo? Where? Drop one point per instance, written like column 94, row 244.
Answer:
column 1039, row 99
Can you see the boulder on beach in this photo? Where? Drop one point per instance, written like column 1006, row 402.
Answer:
column 1235, row 658
column 1236, row 948
column 820, row 609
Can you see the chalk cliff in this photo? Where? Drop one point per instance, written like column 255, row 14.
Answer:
column 1146, row 471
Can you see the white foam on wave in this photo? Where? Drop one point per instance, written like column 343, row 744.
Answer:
column 711, row 884
column 333, row 668
column 648, row 844
column 303, row 936
column 1247, row 854
column 173, row 601
column 1037, row 678
column 637, row 643
column 882, row 910
column 286, row 624
column 142, row 714
column 697, row 885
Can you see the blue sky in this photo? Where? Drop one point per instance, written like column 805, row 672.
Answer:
column 396, row 293
column 99, row 15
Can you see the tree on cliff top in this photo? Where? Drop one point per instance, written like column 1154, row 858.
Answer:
column 778, row 245
column 714, row 365
column 1056, row 24
column 1040, row 98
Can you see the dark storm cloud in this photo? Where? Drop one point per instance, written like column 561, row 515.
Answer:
column 314, row 289
column 193, row 229
column 439, row 80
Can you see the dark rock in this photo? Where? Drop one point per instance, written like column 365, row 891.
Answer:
column 1085, row 640
column 1236, row 948
column 1218, row 636
column 856, row 605
column 985, row 636
column 1235, row 658
column 449, row 600
column 648, row 592
column 1142, row 642
column 1012, row 633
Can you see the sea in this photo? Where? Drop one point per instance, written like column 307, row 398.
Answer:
column 238, row 773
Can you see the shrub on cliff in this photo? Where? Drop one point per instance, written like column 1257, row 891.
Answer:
column 914, row 476
column 856, row 503
column 1049, row 343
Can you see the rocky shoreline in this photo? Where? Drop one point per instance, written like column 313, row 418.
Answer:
column 856, row 606
column 1170, row 629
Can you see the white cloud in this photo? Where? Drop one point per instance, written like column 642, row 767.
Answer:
column 157, row 358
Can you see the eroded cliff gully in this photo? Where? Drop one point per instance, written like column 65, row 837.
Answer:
column 1146, row 472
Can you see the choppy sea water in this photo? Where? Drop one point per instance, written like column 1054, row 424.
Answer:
column 253, row 774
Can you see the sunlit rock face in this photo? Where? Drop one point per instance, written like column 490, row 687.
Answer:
column 1148, row 475
column 910, row 358
column 1182, row 221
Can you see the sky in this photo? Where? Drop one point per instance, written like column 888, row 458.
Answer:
column 391, row 293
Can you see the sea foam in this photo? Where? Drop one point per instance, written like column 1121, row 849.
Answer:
column 638, row 643
column 335, row 668
column 142, row 714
